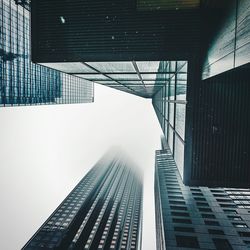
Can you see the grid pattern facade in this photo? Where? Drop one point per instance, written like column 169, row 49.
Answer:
column 102, row 212
column 170, row 106
column 198, row 217
column 142, row 78
column 23, row 82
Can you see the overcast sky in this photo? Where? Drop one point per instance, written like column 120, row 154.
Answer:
column 46, row 150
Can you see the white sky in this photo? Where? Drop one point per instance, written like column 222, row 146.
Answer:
column 46, row 150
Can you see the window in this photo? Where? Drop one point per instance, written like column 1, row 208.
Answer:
column 224, row 200
column 247, row 242
column 183, row 214
column 211, row 216
column 244, row 234
column 175, row 197
column 222, row 244
column 197, row 194
column 178, row 208
column 174, row 192
column 228, row 205
column 184, row 229
column 202, row 204
column 220, row 195
column 239, row 225
column 203, row 209
column 185, row 221
column 199, row 199
column 211, row 223
column 216, row 191
column 230, row 211
column 177, row 202
column 187, row 241
column 233, row 217
column 215, row 231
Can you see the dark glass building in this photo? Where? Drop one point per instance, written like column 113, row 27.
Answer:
column 191, row 57
column 23, row 82
column 197, row 217
column 102, row 212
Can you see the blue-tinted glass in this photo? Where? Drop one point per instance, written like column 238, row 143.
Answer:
column 171, row 113
column 170, row 138
column 180, row 119
column 179, row 155
column 113, row 67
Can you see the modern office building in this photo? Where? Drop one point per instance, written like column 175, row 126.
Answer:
column 102, row 212
column 191, row 57
column 197, row 217
column 23, row 82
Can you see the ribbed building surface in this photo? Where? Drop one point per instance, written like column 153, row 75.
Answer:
column 23, row 82
column 198, row 217
column 102, row 212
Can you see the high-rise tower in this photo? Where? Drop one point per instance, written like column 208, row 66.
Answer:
column 102, row 212
column 197, row 217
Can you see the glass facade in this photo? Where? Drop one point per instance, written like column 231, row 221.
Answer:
column 197, row 217
column 102, row 212
column 23, row 82
column 142, row 78
column 170, row 106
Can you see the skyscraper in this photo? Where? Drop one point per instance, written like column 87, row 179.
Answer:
column 140, row 46
column 197, row 217
column 23, row 82
column 102, row 212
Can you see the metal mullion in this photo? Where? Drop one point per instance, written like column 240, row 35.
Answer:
column 107, row 76
column 139, row 75
column 24, row 87
column 175, row 82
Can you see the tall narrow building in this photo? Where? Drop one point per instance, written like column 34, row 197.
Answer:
column 102, row 212
column 197, row 217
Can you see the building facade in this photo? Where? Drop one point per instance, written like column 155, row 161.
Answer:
column 23, row 82
column 197, row 217
column 191, row 58
column 102, row 212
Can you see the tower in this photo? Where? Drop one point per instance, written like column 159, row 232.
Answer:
column 102, row 212
column 197, row 217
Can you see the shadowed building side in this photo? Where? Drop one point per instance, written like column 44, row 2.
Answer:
column 197, row 217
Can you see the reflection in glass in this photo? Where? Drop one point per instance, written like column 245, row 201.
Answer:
column 148, row 66
column 180, row 119
column 93, row 77
column 124, row 77
column 173, row 97
column 113, row 67
column 171, row 114
column 172, row 89
column 179, row 155
column 170, row 138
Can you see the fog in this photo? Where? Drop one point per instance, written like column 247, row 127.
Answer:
column 46, row 150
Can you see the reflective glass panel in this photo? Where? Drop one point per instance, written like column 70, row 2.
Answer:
column 113, row 67
column 148, row 66
column 180, row 119
column 179, row 155
column 171, row 113
column 170, row 138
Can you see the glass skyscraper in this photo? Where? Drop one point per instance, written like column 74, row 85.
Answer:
column 102, row 212
column 23, row 82
column 197, row 217
column 170, row 106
